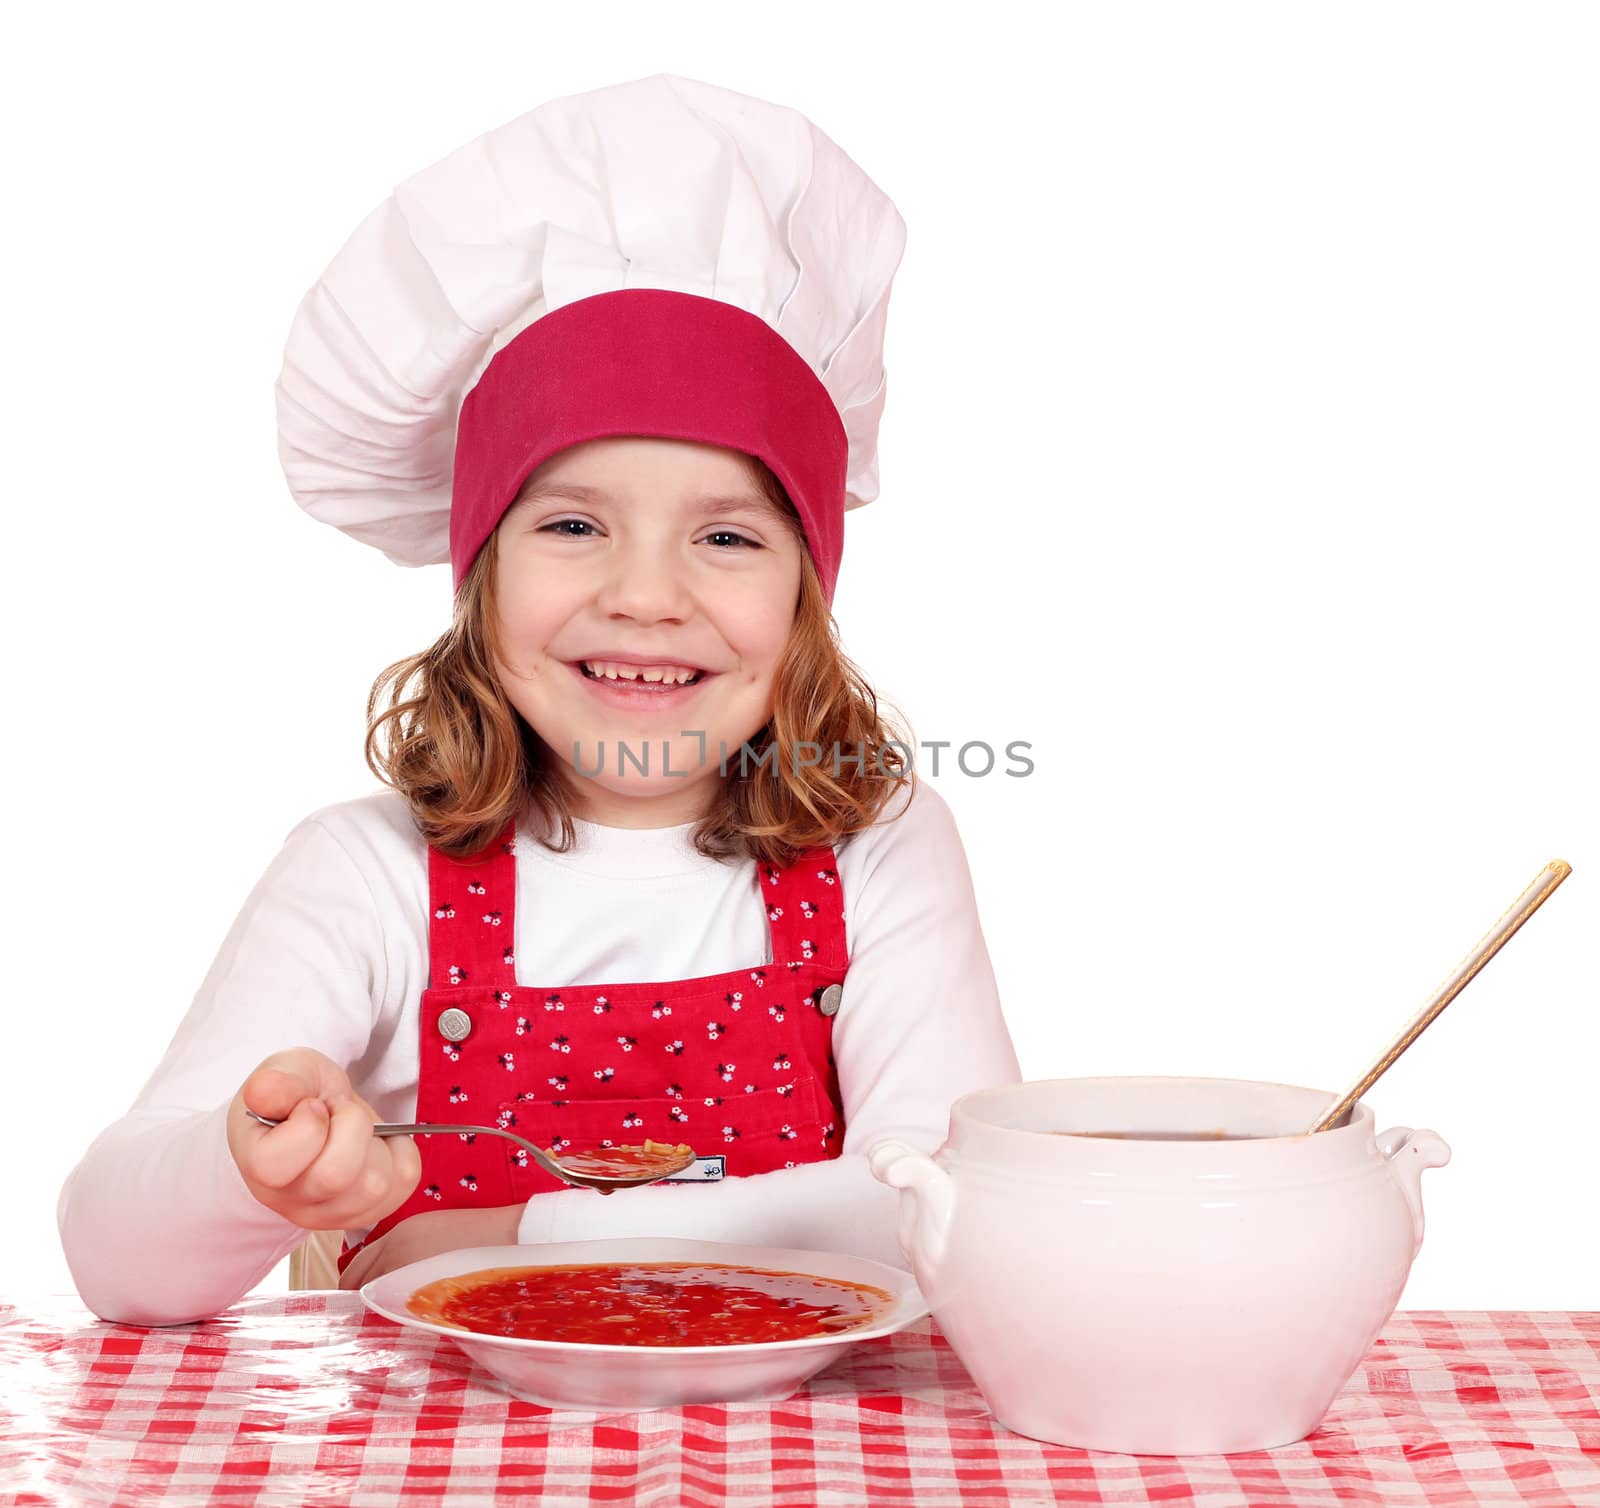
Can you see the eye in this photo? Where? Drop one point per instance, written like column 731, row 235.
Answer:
column 739, row 539
column 566, row 523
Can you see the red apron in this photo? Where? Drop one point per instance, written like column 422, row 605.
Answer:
column 738, row 1065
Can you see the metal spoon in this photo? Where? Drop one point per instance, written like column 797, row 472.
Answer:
column 550, row 1164
column 1531, row 899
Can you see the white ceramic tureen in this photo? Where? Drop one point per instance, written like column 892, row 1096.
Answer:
column 1160, row 1297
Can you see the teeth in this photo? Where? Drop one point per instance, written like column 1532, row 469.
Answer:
column 669, row 675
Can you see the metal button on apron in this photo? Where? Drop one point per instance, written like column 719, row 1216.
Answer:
column 454, row 1024
column 829, row 1003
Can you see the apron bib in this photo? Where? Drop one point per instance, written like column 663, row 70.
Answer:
column 739, row 1065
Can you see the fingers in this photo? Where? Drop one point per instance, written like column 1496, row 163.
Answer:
column 276, row 1087
column 310, row 1094
column 287, row 1079
column 278, row 1155
column 407, row 1165
column 322, row 1166
column 391, row 1171
column 346, row 1158
column 388, row 1170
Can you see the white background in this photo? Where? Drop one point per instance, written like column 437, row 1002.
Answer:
column 1240, row 455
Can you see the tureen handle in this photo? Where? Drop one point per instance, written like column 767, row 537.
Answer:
column 1408, row 1152
column 927, row 1200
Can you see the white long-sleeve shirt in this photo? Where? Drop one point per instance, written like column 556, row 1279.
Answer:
column 331, row 951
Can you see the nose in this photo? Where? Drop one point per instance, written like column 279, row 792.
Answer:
column 644, row 582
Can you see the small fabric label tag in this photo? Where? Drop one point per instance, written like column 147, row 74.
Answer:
column 701, row 1170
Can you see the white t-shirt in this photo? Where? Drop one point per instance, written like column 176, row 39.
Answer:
column 331, row 951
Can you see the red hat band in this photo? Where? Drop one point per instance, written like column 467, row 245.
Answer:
column 649, row 361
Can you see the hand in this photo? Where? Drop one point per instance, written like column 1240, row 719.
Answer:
column 428, row 1234
column 322, row 1168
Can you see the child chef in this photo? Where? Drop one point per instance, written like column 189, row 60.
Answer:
column 646, row 863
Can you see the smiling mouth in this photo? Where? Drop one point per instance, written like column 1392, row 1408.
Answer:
column 657, row 678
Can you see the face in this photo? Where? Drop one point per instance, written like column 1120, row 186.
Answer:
column 626, row 561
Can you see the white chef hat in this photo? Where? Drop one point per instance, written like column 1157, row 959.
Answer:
column 661, row 257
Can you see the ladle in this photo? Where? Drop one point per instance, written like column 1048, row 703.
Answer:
column 1522, row 908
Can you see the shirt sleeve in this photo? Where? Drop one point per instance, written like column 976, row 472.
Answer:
column 919, row 1026
column 156, row 1221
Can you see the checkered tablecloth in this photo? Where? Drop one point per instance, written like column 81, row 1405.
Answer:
column 308, row 1399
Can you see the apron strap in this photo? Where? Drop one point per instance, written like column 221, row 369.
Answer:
column 472, row 914
column 805, row 911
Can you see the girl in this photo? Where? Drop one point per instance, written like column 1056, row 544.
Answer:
column 649, row 864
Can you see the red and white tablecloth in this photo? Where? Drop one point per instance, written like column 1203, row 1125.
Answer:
column 307, row 1399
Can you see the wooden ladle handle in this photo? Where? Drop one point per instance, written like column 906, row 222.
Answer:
column 1522, row 908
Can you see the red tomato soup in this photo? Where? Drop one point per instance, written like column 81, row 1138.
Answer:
column 628, row 1162
column 650, row 1304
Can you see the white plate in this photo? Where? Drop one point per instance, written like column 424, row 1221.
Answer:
column 564, row 1374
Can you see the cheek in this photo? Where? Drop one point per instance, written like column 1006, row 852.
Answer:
column 528, row 621
column 758, row 637
column 523, row 632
